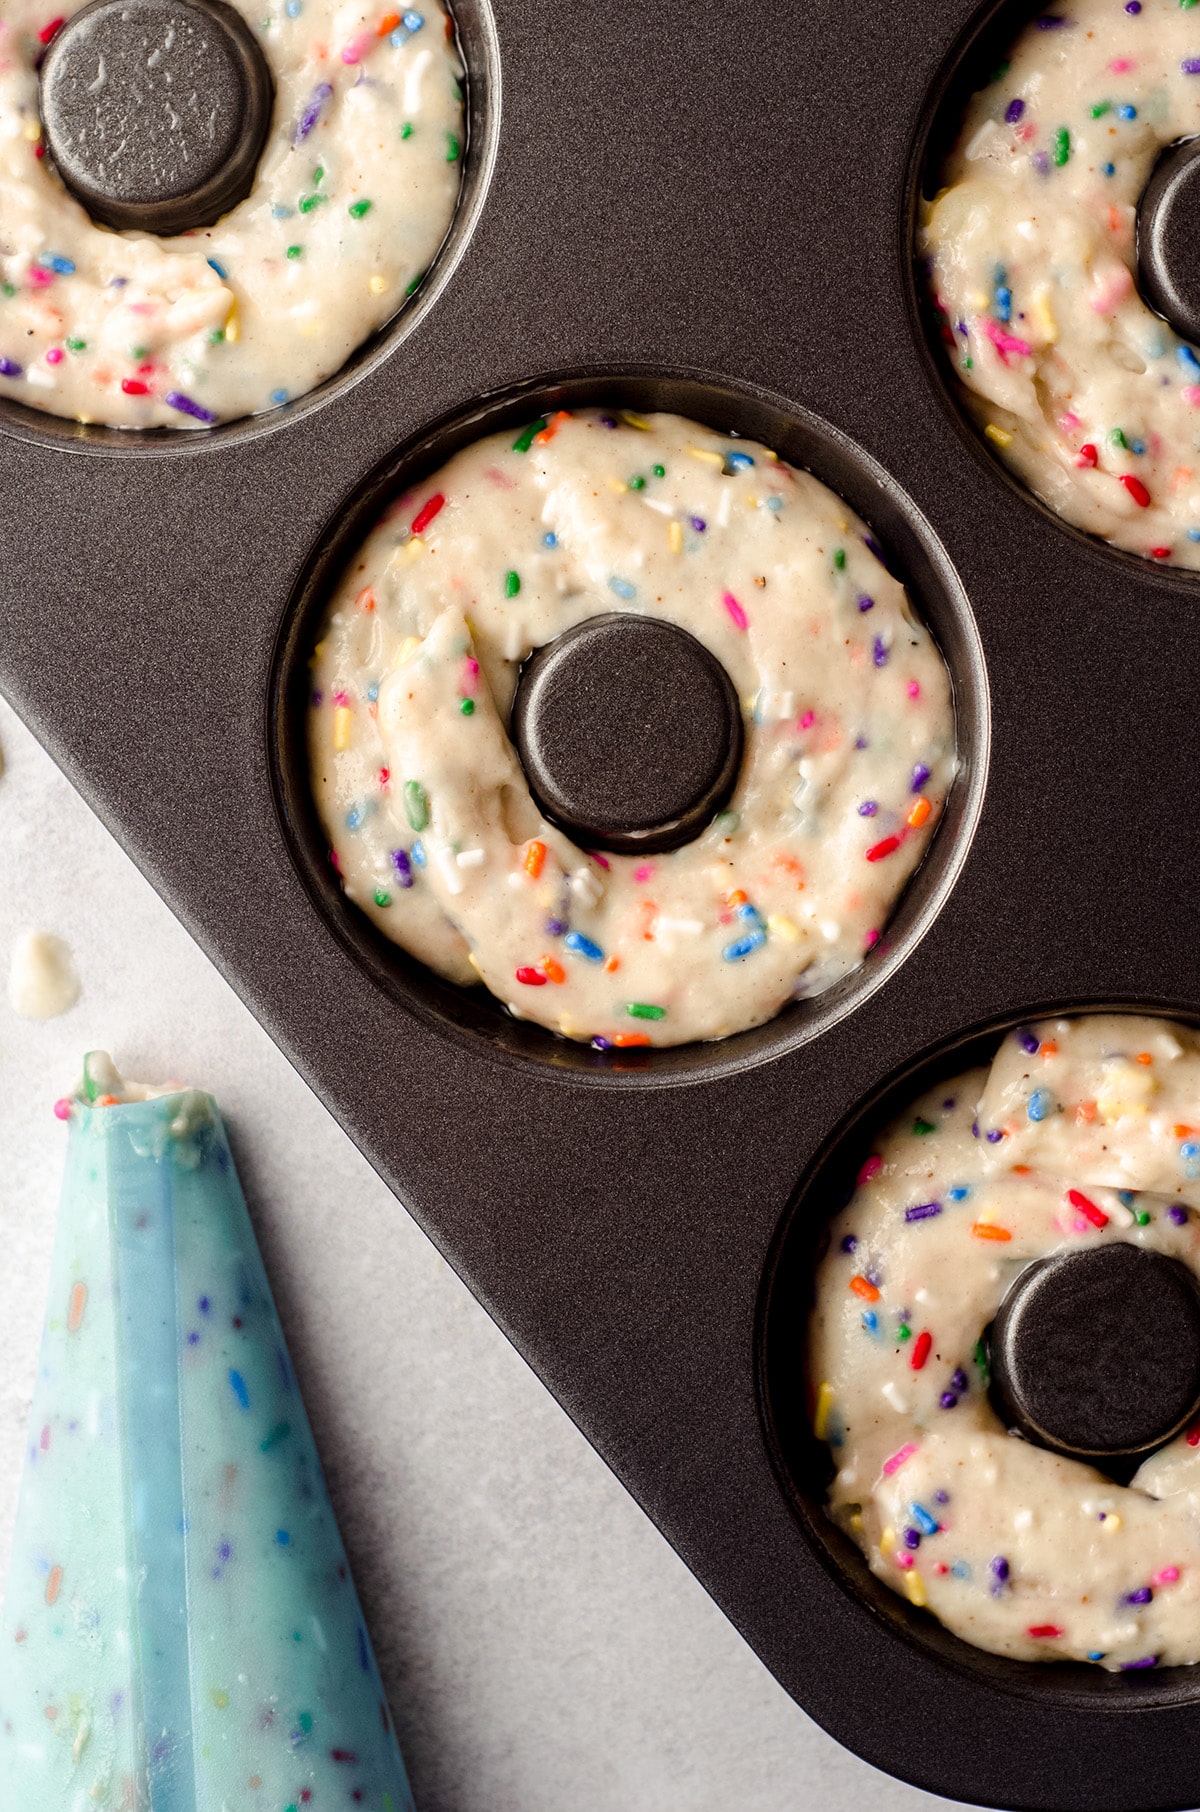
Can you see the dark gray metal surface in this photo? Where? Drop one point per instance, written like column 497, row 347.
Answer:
column 720, row 191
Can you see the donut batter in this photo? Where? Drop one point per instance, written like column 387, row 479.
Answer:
column 1081, row 388
column 1083, row 1131
column 849, row 728
column 353, row 196
column 42, row 979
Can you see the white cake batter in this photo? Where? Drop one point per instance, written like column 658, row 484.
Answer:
column 849, row 731
column 103, row 1085
column 1083, row 390
column 353, row 196
column 42, row 979
column 1014, row 1548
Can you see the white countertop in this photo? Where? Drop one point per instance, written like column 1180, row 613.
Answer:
column 543, row 1647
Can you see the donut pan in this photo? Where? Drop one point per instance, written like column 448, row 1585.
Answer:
column 703, row 206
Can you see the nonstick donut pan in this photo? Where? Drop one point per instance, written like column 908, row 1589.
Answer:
column 704, row 207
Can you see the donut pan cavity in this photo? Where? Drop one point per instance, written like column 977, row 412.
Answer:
column 971, row 64
column 803, row 1462
column 908, row 544
column 708, row 208
column 479, row 53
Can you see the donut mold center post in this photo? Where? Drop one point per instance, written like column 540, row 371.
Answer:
column 629, row 731
column 155, row 111
column 1168, row 237
column 1096, row 1354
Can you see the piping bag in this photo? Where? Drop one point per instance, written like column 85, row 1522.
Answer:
column 180, row 1631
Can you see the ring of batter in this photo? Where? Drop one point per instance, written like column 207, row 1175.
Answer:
column 1083, row 1131
column 354, row 193
column 1081, row 388
column 848, row 746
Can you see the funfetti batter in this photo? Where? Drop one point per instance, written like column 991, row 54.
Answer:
column 848, row 739
column 1082, row 389
column 353, row 196
column 1015, row 1549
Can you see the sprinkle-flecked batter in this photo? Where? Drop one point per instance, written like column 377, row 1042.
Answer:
column 354, row 193
column 1084, row 391
column 1083, row 1131
column 849, row 732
